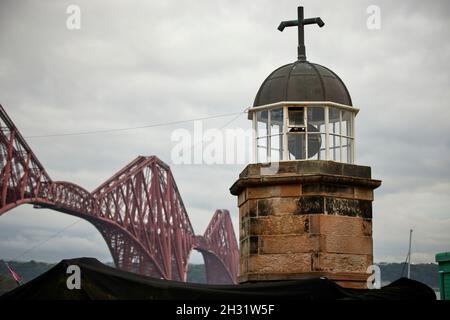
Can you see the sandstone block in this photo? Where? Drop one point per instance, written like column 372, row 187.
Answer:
column 244, row 228
column 362, row 193
column 346, row 244
column 341, row 191
column 342, row 225
column 289, row 244
column 242, row 197
column 277, row 206
column 367, row 227
column 243, row 211
column 272, row 225
column 280, row 263
column 338, row 262
column 288, row 190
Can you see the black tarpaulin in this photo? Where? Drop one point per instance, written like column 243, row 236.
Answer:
column 99, row 281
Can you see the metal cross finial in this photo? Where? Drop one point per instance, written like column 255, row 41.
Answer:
column 301, row 32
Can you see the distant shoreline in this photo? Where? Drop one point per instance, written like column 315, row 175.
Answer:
column 424, row 272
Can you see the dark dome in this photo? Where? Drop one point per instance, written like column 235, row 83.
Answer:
column 302, row 81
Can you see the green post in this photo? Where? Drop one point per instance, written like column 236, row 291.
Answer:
column 443, row 259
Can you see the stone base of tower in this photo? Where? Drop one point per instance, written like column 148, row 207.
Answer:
column 305, row 219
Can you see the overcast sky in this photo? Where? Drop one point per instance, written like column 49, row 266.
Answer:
column 135, row 63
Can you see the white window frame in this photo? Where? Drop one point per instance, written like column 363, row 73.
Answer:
column 326, row 105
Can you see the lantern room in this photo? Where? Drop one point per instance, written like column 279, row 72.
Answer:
column 303, row 111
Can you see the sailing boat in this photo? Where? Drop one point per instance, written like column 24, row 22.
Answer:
column 408, row 256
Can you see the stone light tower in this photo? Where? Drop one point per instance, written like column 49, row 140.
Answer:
column 305, row 207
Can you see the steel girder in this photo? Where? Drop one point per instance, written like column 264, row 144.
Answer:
column 138, row 211
column 218, row 245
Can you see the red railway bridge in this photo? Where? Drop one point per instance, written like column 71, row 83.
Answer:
column 138, row 211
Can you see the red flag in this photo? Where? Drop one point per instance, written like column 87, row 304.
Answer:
column 14, row 274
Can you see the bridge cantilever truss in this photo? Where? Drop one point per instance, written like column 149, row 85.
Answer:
column 138, row 211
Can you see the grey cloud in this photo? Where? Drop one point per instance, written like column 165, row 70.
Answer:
column 135, row 63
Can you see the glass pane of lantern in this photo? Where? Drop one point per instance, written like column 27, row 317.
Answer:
column 316, row 142
column 346, row 150
column 296, row 146
column 351, row 144
column 346, row 123
column 262, row 123
column 333, row 115
column 276, row 152
column 335, row 148
column 334, row 120
column 276, row 121
column 262, row 155
column 322, row 154
column 261, row 149
column 316, row 117
column 296, row 116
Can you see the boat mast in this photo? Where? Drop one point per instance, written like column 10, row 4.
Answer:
column 409, row 254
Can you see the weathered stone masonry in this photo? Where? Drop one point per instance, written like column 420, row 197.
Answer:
column 309, row 219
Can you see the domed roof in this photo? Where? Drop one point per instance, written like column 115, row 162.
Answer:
column 302, row 81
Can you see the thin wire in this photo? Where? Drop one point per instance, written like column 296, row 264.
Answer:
column 135, row 128
column 238, row 114
column 235, row 118
column 222, row 127
column 46, row 240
